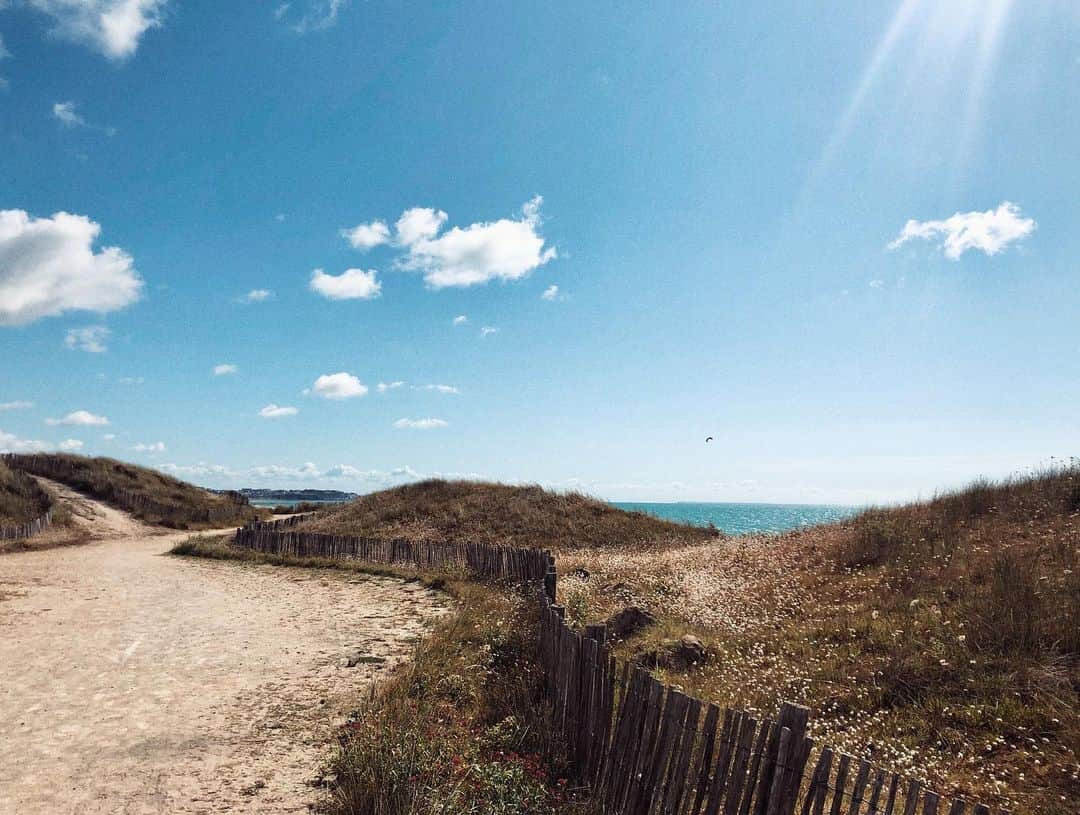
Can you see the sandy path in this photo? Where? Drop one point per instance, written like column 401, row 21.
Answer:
column 133, row 682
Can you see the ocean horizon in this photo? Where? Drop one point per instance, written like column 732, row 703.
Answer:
column 738, row 518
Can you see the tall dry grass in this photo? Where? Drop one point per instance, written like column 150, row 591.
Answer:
column 497, row 514
column 146, row 493
column 21, row 500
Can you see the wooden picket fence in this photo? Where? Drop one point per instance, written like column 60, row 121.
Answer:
column 637, row 746
column 28, row 529
column 37, row 525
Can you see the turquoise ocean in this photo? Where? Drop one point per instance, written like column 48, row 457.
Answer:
column 737, row 519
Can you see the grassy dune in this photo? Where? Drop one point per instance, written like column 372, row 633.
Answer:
column 942, row 638
column 498, row 514
column 20, row 500
column 148, row 494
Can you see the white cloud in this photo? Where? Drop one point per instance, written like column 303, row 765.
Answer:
column 112, row 27
column 256, row 296
column 48, row 266
column 418, row 224
column 461, row 319
column 507, row 249
column 19, row 404
column 109, row 436
column 155, row 447
column 352, row 284
column 990, row 232
column 319, row 16
column 10, row 443
column 367, row 236
column 273, row 411
column 550, row 293
column 419, row 424
column 225, row 368
column 79, row 417
column 131, row 380
column 70, row 445
column 877, row 284
column 91, row 339
column 488, row 330
column 441, row 388
column 338, row 386
column 280, row 217
column 383, row 387
column 65, row 113
column 4, row 54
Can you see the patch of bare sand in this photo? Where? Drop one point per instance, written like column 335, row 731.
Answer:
column 135, row 682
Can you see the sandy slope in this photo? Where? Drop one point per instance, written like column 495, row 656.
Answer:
column 133, row 682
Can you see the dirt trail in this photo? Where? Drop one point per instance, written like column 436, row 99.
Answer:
column 134, row 682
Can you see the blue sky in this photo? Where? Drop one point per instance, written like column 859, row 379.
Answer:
column 840, row 240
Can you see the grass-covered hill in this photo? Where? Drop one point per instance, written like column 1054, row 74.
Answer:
column 20, row 498
column 147, row 494
column 941, row 637
column 490, row 513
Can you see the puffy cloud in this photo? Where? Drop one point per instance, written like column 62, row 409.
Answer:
column 352, row 284
column 10, row 443
column 507, row 249
column 419, row 424
column 256, row 296
column 367, row 236
column 461, row 319
column 70, row 445
column 91, row 339
column 112, row 27
column 550, row 293
column 338, row 386
column 66, row 114
column 155, row 447
column 48, row 266
column 319, row 15
column 81, row 418
column 418, row 224
column 18, row 404
column 488, row 330
column 990, row 232
column 273, row 411
column 383, row 387
column 877, row 284
column 224, row 369
column 441, row 388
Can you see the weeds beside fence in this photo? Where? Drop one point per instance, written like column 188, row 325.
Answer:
column 33, row 500
column 640, row 747
column 26, row 530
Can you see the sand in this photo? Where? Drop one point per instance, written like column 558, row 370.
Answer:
column 136, row 682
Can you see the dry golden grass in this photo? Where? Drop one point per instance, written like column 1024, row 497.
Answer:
column 940, row 638
column 20, row 499
column 497, row 514
column 148, row 494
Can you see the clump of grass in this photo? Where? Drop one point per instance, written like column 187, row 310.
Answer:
column 148, row 494
column 461, row 729
column 498, row 514
column 21, row 499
